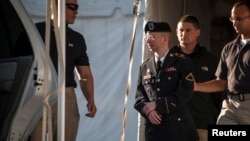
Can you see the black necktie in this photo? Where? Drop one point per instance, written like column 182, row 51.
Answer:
column 158, row 66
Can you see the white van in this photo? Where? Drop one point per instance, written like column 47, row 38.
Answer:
column 25, row 78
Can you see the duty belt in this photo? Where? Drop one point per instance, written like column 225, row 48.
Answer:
column 240, row 96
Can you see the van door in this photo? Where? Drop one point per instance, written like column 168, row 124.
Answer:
column 22, row 73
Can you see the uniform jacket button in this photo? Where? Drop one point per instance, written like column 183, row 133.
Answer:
column 158, row 89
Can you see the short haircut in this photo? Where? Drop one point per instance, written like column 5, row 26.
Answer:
column 190, row 19
column 241, row 3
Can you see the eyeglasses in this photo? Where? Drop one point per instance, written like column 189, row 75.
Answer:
column 149, row 37
column 238, row 19
column 152, row 37
column 72, row 6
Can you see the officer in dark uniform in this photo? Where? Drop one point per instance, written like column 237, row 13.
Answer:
column 165, row 88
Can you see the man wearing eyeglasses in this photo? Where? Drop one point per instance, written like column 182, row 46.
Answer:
column 233, row 72
column 76, row 57
column 164, row 89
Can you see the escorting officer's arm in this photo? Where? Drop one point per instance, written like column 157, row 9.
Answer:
column 180, row 94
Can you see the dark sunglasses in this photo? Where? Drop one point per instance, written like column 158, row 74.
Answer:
column 72, row 6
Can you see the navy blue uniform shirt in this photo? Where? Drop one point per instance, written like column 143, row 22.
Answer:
column 234, row 66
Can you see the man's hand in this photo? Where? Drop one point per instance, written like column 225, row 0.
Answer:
column 149, row 109
column 91, row 110
column 154, row 117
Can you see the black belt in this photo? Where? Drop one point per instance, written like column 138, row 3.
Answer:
column 241, row 96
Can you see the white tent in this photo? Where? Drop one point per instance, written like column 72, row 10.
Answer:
column 107, row 26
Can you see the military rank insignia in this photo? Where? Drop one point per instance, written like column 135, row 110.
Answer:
column 190, row 77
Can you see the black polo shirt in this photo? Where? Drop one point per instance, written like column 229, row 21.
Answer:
column 75, row 51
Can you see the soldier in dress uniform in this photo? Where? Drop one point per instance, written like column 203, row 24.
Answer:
column 164, row 89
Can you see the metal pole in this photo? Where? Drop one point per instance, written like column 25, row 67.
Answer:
column 61, row 73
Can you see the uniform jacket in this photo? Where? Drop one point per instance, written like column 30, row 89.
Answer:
column 172, row 90
column 204, row 107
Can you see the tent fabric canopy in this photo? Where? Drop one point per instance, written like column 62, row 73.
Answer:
column 107, row 27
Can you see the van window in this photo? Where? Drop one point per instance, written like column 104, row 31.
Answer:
column 13, row 38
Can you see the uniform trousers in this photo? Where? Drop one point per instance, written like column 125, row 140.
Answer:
column 72, row 118
column 235, row 111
